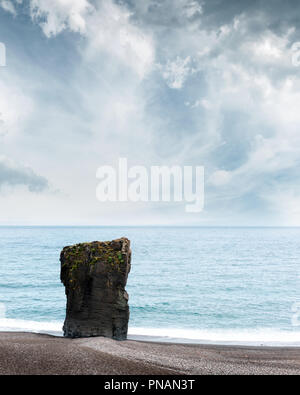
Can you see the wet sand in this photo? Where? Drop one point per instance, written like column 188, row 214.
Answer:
column 28, row 353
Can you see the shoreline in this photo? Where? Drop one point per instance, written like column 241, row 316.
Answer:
column 37, row 354
column 249, row 338
column 175, row 340
column 209, row 343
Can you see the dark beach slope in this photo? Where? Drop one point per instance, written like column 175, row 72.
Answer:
column 26, row 353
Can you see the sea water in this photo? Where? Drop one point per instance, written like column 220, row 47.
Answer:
column 188, row 284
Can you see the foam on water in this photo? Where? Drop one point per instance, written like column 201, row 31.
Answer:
column 12, row 325
column 259, row 337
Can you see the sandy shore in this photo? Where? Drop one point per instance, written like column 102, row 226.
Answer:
column 27, row 353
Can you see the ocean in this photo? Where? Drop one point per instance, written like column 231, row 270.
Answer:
column 188, row 284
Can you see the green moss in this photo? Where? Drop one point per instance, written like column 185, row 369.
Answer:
column 88, row 255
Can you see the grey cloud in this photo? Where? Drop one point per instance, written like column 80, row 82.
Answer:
column 165, row 13
column 214, row 13
column 183, row 32
column 16, row 175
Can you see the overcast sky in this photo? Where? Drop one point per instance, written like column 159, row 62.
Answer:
column 160, row 82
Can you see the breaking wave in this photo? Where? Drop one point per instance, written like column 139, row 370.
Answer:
column 253, row 337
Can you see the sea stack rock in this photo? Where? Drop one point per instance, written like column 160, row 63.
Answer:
column 95, row 275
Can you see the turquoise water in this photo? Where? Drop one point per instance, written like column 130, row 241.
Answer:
column 203, row 284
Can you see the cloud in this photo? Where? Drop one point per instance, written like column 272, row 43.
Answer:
column 57, row 15
column 106, row 27
column 243, row 94
column 12, row 174
column 15, row 107
column 8, row 6
column 167, row 13
column 176, row 72
column 110, row 31
column 160, row 82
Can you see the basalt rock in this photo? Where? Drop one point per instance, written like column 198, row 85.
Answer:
column 95, row 275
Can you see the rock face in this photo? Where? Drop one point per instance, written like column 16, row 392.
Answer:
column 95, row 275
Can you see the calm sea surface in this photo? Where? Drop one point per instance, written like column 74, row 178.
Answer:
column 203, row 284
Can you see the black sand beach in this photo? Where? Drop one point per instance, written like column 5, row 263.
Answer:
column 27, row 353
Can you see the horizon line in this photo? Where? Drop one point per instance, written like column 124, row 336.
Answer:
column 150, row 226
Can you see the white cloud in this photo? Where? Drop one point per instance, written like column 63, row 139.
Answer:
column 15, row 108
column 106, row 26
column 110, row 30
column 204, row 103
column 193, row 8
column 8, row 6
column 176, row 72
column 57, row 15
column 269, row 49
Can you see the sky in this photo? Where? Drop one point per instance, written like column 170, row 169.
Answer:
column 159, row 82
